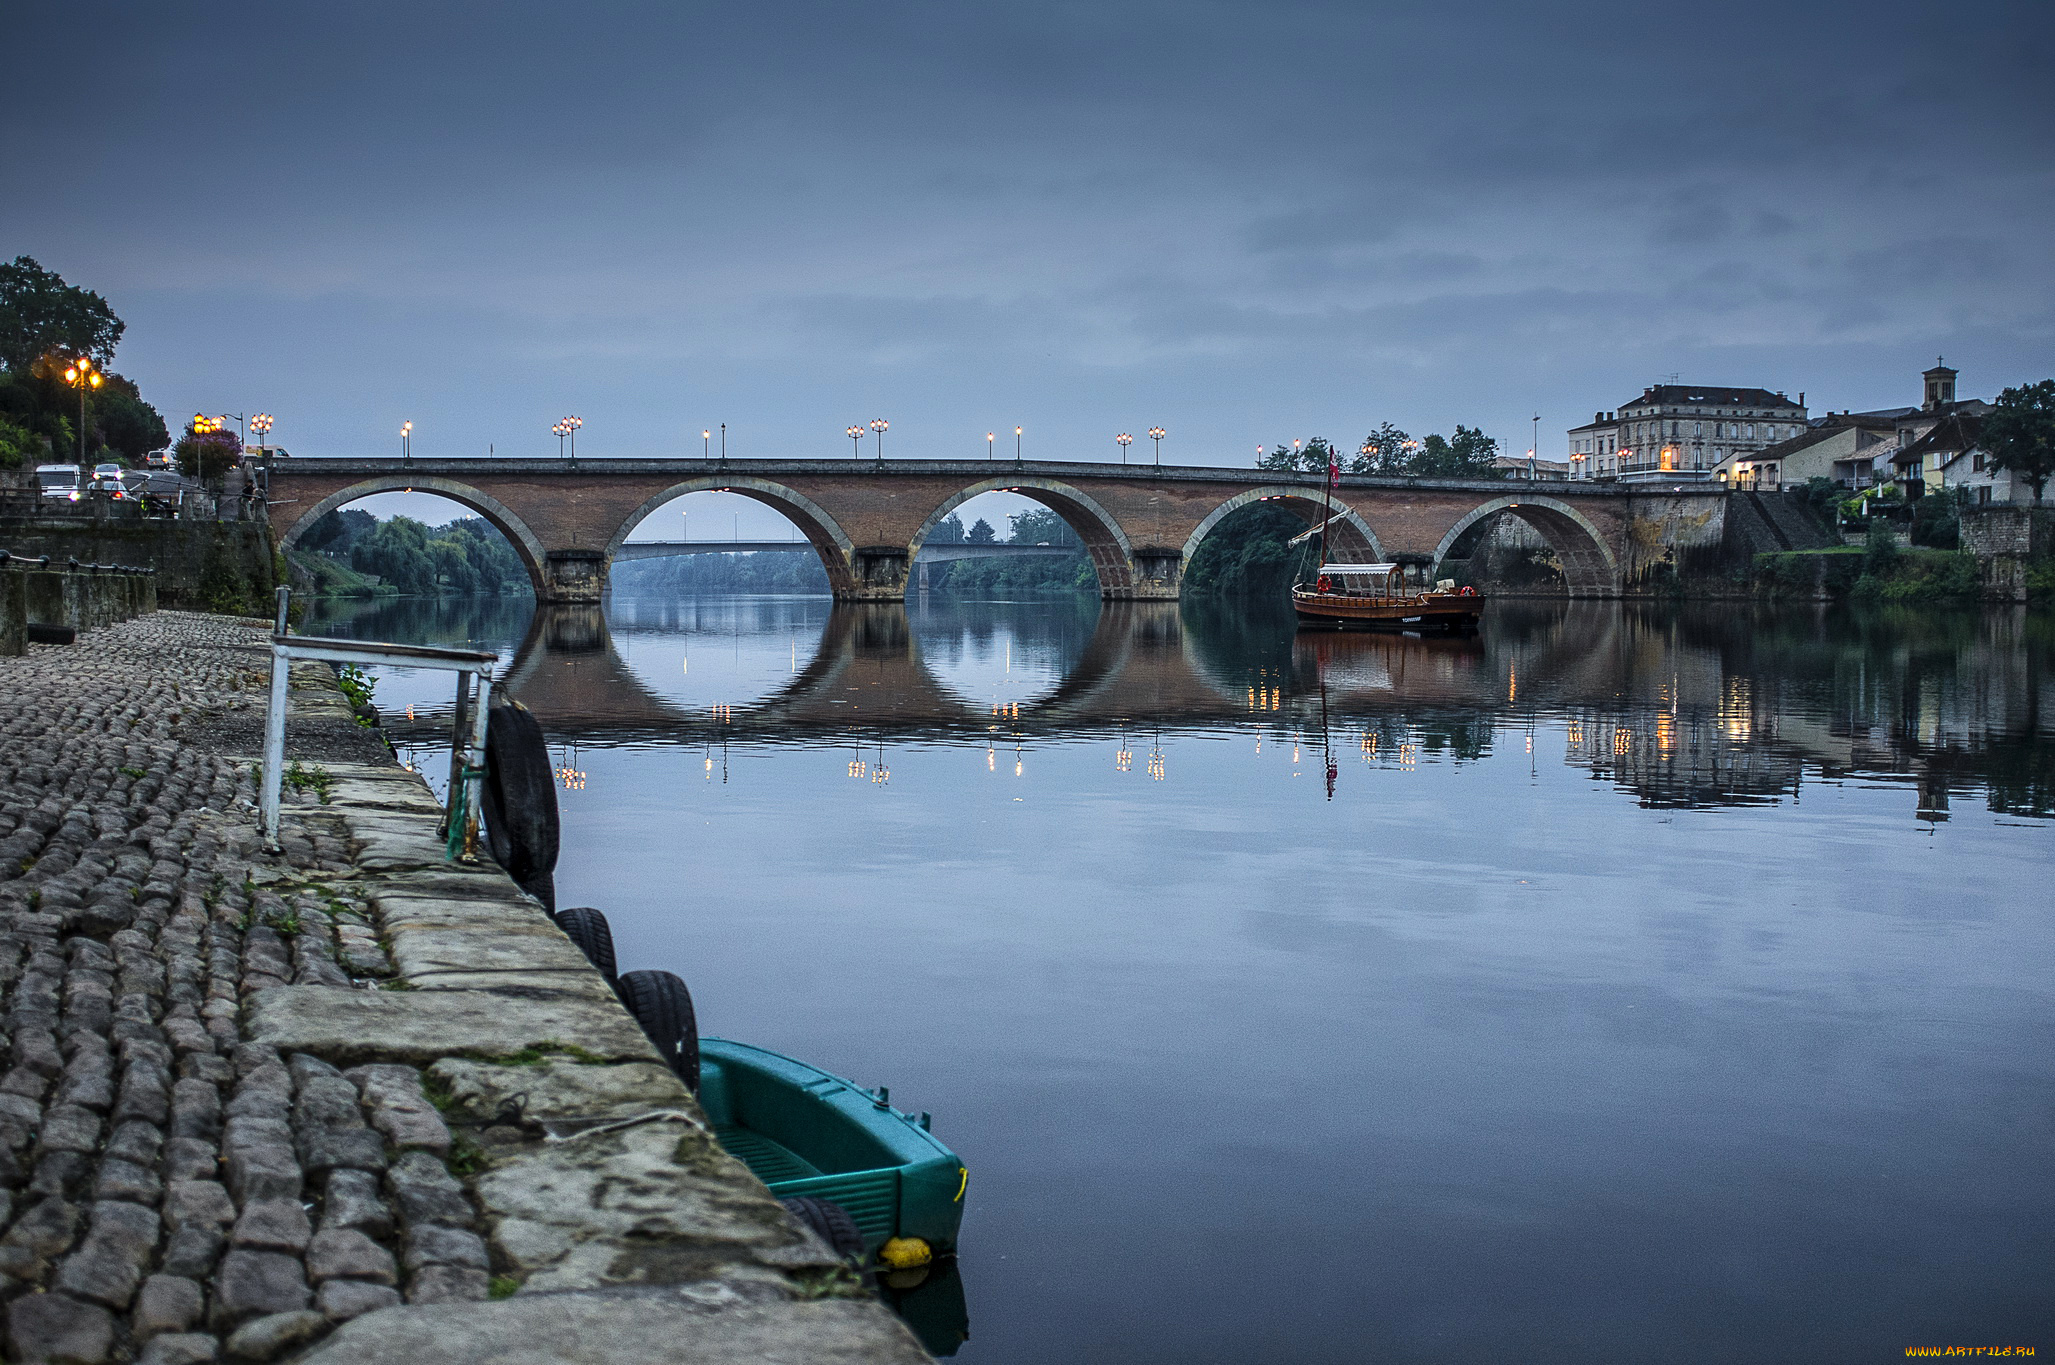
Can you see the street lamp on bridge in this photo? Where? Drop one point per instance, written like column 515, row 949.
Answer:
column 560, row 431
column 261, row 424
column 1123, row 441
column 878, row 424
column 1157, row 434
column 706, row 442
column 855, row 435
column 1016, row 445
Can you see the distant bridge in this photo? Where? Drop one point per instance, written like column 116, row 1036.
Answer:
column 1139, row 524
column 931, row 553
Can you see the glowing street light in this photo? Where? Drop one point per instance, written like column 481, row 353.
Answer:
column 406, row 443
column 81, row 375
column 261, row 424
column 1157, row 434
column 988, row 445
column 1016, row 445
column 855, row 435
column 878, row 424
column 706, row 442
column 574, row 423
column 560, row 431
column 1123, row 441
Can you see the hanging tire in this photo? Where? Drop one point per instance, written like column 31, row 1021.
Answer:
column 662, row 1005
column 542, row 886
column 519, row 795
column 831, row 1221
column 588, row 929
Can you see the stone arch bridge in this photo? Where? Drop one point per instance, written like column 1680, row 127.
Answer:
column 1139, row 523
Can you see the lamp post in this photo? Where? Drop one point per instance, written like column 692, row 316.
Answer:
column 574, row 423
column 706, row 442
column 406, row 443
column 1157, row 434
column 1123, row 441
column 855, row 435
column 1016, row 445
column 878, row 424
column 81, row 374
column 988, row 445
column 560, row 431
column 261, row 424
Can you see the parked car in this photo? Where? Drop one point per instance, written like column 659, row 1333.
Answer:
column 59, row 481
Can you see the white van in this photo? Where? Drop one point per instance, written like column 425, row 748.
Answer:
column 59, row 481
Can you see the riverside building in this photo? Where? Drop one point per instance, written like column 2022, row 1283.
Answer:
column 1675, row 433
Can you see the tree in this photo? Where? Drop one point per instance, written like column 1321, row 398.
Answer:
column 981, row 533
column 1040, row 526
column 1384, row 451
column 1312, row 457
column 948, row 531
column 1466, row 455
column 2019, row 433
column 126, row 424
column 41, row 314
column 207, row 455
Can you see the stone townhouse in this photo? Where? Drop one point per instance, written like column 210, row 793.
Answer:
column 1842, row 446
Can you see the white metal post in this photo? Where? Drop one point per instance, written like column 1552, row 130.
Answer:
column 274, row 743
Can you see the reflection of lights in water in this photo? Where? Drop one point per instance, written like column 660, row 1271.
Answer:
column 1512, row 683
column 410, row 710
column 1156, row 767
column 569, row 775
column 1530, row 744
column 1123, row 757
column 1623, row 739
column 1665, row 734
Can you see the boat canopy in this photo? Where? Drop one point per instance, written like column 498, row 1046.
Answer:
column 1359, row 568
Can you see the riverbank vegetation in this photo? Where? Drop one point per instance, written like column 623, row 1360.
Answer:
column 351, row 553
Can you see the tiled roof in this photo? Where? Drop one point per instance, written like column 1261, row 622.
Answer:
column 1671, row 395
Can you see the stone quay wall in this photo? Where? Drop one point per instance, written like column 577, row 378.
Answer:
column 344, row 1101
column 201, row 565
column 83, row 596
column 2008, row 542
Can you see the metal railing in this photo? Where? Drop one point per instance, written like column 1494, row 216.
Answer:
column 459, row 827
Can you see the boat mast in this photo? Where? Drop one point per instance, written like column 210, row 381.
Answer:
column 1327, row 505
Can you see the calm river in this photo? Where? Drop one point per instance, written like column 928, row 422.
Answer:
column 1620, row 984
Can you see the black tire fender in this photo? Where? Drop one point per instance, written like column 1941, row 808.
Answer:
column 662, row 1005
column 588, row 928
column 519, row 795
column 831, row 1221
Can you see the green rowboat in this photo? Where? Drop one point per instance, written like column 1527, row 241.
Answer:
column 806, row 1133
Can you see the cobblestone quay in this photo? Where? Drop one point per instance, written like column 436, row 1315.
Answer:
column 345, row 1102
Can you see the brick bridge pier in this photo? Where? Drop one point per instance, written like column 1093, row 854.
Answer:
column 1139, row 523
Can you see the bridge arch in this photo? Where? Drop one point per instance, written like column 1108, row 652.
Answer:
column 1352, row 534
column 1113, row 557
column 1589, row 566
column 829, row 540
column 501, row 517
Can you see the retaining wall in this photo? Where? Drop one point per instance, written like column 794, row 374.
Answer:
column 83, row 596
column 219, row 566
column 2007, row 542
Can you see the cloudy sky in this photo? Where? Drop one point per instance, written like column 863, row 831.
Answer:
column 1244, row 222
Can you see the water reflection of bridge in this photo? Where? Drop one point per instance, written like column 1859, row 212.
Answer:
column 1673, row 711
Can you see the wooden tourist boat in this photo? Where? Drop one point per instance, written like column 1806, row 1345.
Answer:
column 1361, row 596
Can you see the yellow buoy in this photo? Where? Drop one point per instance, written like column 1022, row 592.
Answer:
column 904, row 1253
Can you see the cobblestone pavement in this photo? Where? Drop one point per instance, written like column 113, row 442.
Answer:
column 170, row 1191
